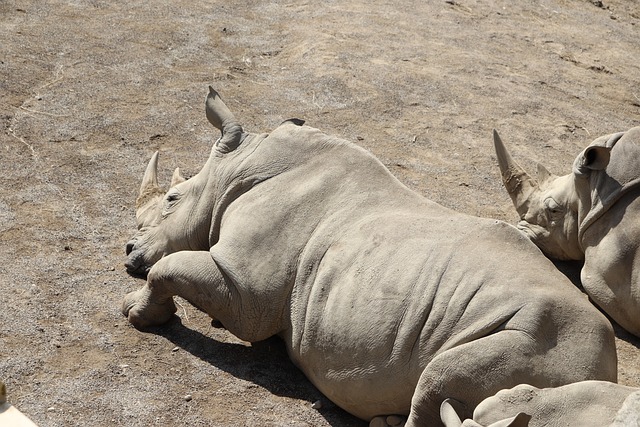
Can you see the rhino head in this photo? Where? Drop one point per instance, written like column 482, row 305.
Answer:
column 180, row 218
column 552, row 208
column 450, row 418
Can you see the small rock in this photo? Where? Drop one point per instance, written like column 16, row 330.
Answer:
column 174, row 349
column 316, row 405
column 188, row 398
column 51, row 409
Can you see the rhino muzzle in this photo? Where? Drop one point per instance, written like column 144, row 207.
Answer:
column 135, row 268
column 135, row 264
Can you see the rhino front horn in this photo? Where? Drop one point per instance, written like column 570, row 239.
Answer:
column 222, row 118
column 518, row 183
column 148, row 190
column 150, row 179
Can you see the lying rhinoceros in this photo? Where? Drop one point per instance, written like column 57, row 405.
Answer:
column 388, row 302
column 584, row 404
column 591, row 214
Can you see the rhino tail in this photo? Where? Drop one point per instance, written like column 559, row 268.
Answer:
column 223, row 119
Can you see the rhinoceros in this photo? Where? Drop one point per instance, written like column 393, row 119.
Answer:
column 388, row 302
column 585, row 404
column 591, row 214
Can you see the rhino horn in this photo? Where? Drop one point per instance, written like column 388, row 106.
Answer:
column 148, row 189
column 150, row 179
column 222, row 118
column 177, row 178
column 520, row 186
column 448, row 414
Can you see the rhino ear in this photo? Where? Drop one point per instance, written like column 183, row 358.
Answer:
column 596, row 156
column 223, row 119
column 592, row 158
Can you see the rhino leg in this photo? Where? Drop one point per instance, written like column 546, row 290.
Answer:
column 192, row 275
column 462, row 373
column 472, row 371
column 145, row 308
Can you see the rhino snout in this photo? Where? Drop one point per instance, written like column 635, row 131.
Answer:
column 135, row 263
column 135, row 267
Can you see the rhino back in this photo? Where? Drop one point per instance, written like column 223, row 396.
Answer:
column 307, row 180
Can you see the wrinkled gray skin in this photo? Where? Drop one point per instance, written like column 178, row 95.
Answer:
column 585, row 404
column 591, row 214
column 388, row 302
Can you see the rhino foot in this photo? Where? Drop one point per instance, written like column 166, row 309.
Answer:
column 388, row 421
column 142, row 312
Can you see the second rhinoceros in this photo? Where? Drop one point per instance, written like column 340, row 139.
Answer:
column 584, row 404
column 590, row 214
column 389, row 303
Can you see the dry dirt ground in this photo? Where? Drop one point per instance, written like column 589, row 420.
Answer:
column 89, row 89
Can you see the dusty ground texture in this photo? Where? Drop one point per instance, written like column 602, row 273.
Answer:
column 89, row 89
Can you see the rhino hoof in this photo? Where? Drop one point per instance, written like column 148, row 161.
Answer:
column 143, row 313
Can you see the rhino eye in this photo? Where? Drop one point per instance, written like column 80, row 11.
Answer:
column 554, row 210
column 170, row 200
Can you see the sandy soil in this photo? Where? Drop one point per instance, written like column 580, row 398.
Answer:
column 89, row 89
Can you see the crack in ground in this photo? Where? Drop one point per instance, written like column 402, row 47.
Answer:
column 14, row 119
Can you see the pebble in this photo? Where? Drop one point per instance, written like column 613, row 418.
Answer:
column 316, row 405
column 188, row 398
column 174, row 349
